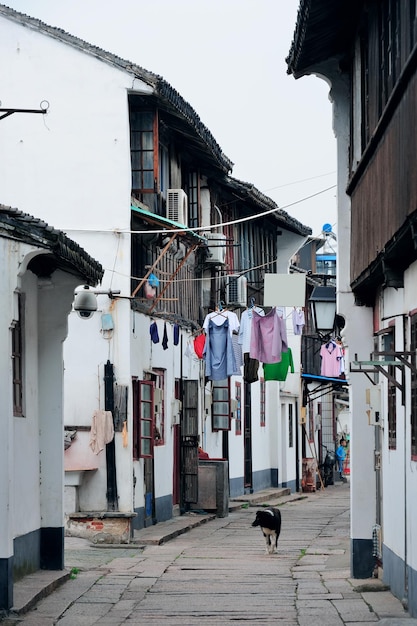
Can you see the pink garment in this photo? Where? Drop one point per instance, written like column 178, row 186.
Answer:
column 102, row 430
column 331, row 359
column 268, row 337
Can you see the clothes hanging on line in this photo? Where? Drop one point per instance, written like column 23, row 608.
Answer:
column 250, row 369
column 332, row 359
column 237, row 349
column 279, row 371
column 245, row 330
column 219, row 318
column 102, row 430
column 298, row 321
column 199, row 343
column 218, row 351
column 268, row 337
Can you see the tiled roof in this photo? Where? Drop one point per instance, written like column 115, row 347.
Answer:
column 15, row 224
column 249, row 192
column 161, row 88
column 323, row 30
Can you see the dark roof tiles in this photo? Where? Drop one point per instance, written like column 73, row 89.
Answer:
column 15, row 224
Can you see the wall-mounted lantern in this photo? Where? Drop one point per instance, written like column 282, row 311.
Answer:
column 323, row 309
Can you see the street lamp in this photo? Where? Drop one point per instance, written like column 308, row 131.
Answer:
column 323, row 309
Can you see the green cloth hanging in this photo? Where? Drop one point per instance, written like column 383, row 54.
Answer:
column 279, row 371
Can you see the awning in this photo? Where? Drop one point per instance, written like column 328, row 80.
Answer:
column 165, row 223
column 325, row 385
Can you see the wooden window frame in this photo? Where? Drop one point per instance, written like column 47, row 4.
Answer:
column 140, row 150
column 193, row 189
column 17, row 355
column 140, row 420
column 220, row 418
column 157, row 377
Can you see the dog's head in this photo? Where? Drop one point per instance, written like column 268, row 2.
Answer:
column 257, row 521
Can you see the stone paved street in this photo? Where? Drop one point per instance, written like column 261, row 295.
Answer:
column 219, row 573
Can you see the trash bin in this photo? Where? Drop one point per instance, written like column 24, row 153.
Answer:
column 213, row 486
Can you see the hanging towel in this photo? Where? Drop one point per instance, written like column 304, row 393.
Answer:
column 153, row 330
column 176, row 334
column 102, row 430
column 165, row 337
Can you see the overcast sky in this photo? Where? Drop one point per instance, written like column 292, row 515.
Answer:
column 227, row 59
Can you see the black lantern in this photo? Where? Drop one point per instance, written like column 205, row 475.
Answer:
column 323, row 308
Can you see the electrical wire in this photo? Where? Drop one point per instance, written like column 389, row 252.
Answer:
column 210, row 227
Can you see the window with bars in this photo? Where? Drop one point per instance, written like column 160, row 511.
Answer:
column 413, row 348
column 17, row 358
column 238, row 419
column 290, row 426
column 388, row 344
column 143, row 132
column 193, row 200
column 221, row 405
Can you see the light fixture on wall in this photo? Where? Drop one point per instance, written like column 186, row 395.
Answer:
column 323, row 309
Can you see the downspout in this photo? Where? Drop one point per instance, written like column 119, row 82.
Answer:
column 112, row 499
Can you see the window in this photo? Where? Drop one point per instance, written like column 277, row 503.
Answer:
column 310, row 422
column 157, row 376
column 389, row 346
column 262, row 402
column 221, row 405
column 17, row 359
column 143, row 133
column 290, row 426
column 143, row 419
column 238, row 419
column 413, row 347
column 193, row 201
column 148, row 414
column 163, row 169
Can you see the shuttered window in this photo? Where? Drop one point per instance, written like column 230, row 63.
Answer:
column 221, row 405
column 17, row 359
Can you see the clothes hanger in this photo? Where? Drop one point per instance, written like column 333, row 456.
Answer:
column 219, row 310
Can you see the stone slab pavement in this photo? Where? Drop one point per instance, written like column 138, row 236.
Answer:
column 200, row 569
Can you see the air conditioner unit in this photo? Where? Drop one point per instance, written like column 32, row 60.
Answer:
column 216, row 249
column 177, row 205
column 236, row 290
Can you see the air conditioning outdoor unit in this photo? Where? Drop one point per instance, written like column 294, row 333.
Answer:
column 177, row 205
column 216, row 249
column 236, row 290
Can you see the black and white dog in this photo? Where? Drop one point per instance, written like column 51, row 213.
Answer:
column 270, row 522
